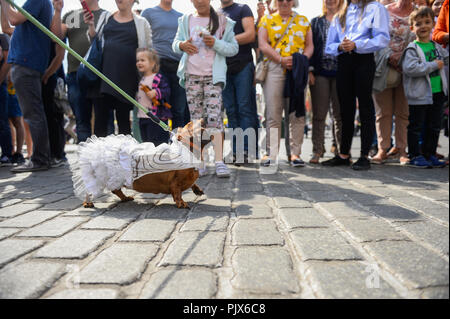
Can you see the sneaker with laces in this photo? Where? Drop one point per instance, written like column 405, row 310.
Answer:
column 58, row 162
column 202, row 171
column 435, row 162
column 298, row 162
column 222, row 170
column 29, row 166
column 420, row 162
column 5, row 161
column 18, row 159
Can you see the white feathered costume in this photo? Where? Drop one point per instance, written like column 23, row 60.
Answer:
column 109, row 163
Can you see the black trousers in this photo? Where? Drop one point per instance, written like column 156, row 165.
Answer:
column 102, row 114
column 152, row 132
column 427, row 119
column 55, row 120
column 354, row 81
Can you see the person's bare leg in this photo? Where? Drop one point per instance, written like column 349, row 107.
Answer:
column 20, row 132
column 28, row 139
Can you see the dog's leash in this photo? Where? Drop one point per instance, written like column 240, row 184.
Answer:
column 41, row 27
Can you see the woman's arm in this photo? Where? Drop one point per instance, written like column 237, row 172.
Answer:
column 333, row 41
column 55, row 64
column 264, row 46
column 309, row 45
column 440, row 33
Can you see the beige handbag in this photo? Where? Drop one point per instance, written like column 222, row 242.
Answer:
column 263, row 66
column 393, row 78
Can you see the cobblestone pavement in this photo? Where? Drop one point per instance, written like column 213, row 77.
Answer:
column 309, row 232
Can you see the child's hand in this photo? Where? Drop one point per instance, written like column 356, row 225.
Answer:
column 188, row 47
column 440, row 64
column 209, row 40
column 151, row 94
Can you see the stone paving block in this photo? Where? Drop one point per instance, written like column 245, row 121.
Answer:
column 256, row 232
column 167, row 211
column 366, row 199
column 29, row 219
column 85, row 294
column 28, row 280
column 349, row 280
column 181, row 284
column 75, row 245
column 321, row 196
column 435, row 293
column 115, row 220
column 67, row 204
column 434, row 194
column 240, row 187
column 264, row 270
column 390, row 192
column 7, row 232
column 302, row 217
column 120, row 264
column 313, row 186
column 149, row 230
column 427, row 207
column 288, row 202
column 11, row 249
column 17, row 209
column 430, row 232
column 411, row 263
column 249, row 198
column 54, row 228
column 322, row 244
column 91, row 212
column 393, row 212
column 283, row 190
column 253, row 211
column 213, row 205
column 9, row 202
column 343, row 209
column 32, row 192
column 371, row 229
column 47, row 199
column 195, row 249
column 206, row 221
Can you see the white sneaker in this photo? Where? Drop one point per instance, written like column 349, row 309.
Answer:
column 222, row 170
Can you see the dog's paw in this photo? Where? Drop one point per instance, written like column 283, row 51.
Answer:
column 182, row 204
column 88, row 205
column 127, row 199
column 199, row 192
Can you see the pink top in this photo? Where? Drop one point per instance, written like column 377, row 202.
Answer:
column 202, row 62
column 400, row 32
column 142, row 98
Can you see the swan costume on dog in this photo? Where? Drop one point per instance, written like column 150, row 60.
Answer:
column 109, row 163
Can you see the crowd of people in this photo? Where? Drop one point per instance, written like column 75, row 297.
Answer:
column 386, row 61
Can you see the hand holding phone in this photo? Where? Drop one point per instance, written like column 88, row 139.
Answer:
column 86, row 9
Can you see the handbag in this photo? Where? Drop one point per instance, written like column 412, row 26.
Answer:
column 94, row 56
column 393, row 78
column 263, row 66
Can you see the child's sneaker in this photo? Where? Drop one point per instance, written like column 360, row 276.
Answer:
column 5, row 161
column 435, row 162
column 420, row 162
column 202, row 171
column 222, row 170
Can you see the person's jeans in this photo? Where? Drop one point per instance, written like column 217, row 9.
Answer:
column 428, row 116
column 28, row 85
column 239, row 102
column 354, row 80
column 5, row 131
column 82, row 109
column 178, row 100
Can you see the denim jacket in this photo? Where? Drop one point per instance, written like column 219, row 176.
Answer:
column 225, row 47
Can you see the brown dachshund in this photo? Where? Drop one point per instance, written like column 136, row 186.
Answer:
column 171, row 182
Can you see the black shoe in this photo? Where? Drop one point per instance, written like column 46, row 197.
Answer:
column 362, row 164
column 18, row 159
column 337, row 161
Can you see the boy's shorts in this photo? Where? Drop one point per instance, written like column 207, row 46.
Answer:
column 13, row 106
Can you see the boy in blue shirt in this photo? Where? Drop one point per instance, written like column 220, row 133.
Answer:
column 426, row 89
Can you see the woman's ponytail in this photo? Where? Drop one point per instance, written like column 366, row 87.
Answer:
column 213, row 21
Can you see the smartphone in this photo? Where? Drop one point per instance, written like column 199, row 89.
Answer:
column 86, row 8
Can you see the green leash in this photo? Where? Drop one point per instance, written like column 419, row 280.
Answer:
column 33, row 20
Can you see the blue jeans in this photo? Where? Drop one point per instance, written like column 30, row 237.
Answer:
column 5, row 131
column 239, row 99
column 178, row 101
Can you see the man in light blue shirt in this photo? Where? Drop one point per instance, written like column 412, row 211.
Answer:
column 163, row 20
column 354, row 36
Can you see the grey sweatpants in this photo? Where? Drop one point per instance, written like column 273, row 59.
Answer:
column 28, row 85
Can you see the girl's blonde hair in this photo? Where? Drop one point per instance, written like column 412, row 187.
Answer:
column 324, row 7
column 152, row 55
column 343, row 12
